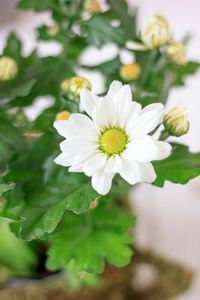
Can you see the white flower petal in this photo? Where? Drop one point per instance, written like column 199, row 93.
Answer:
column 94, row 163
column 151, row 116
column 134, row 172
column 102, row 182
column 136, row 46
column 61, row 127
column 78, row 145
column 76, row 125
column 105, row 114
column 145, row 149
column 129, row 114
column 114, row 88
column 122, row 99
column 64, row 159
column 114, row 164
column 88, row 100
column 79, row 125
column 79, row 161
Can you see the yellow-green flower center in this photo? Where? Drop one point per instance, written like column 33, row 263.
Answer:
column 113, row 141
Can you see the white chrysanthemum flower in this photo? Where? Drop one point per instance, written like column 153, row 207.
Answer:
column 113, row 139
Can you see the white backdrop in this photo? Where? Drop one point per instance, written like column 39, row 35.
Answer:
column 168, row 219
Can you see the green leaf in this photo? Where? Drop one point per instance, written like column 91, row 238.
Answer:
column 20, row 90
column 13, row 204
column 37, row 5
column 180, row 167
column 89, row 240
column 15, row 254
column 48, row 207
column 128, row 22
column 5, row 187
column 178, row 74
column 12, row 137
column 99, row 31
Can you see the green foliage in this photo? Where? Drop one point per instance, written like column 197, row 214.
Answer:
column 44, row 201
column 178, row 74
column 91, row 238
column 15, row 254
column 180, row 167
column 128, row 23
column 22, row 84
column 5, row 187
column 49, row 206
column 98, row 32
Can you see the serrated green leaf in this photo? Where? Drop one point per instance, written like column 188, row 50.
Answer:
column 51, row 207
column 5, row 187
column 178, row 74
column 180, row 167
column 89, row 241
column 128, row 22
column 99, row 31
column 12, row 137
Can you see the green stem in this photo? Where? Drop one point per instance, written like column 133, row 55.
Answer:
column 164, row 135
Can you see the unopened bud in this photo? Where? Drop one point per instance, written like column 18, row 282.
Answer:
column 156, row 33
column 63, row 115
column 130, row 72
column 53, row 30
column 94, row 203
column 176, row 53
column 8, row 68
column 175, row 121
column 76, row 84
column 92, row 6
column 65, row 85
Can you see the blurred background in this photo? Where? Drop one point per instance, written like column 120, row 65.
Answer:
column 168, row 219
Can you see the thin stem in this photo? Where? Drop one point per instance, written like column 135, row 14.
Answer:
column 164, row 135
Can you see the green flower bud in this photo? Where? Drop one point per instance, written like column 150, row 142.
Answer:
column 176, row 53
column 8, row 68
column 175, row 122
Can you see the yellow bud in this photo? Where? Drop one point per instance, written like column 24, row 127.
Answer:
column 8, row 68
column 94, row 203
column 92, row 6
column 130, row 72
column 176, row 53
column 53, row 30
column 63, row 115
column 175, row 121
column 76, row 84
column 156, row 33
column 65, row 85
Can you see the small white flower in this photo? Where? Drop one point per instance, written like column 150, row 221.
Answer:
column 113, row 139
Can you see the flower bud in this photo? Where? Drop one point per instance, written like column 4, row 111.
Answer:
column 76, row 84
column 53, row 30
column 8, row 68
column 63, row 115
column 156, row 32
column 176, row 53
column 92, row 6
column 175, row 122
column 65, row 85
column 130, row 72
column 94, row 204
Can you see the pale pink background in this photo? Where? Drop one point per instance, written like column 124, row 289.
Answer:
column 168, row 219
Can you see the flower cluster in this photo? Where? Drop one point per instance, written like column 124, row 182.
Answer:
column 157, row 34
column 112, row 139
